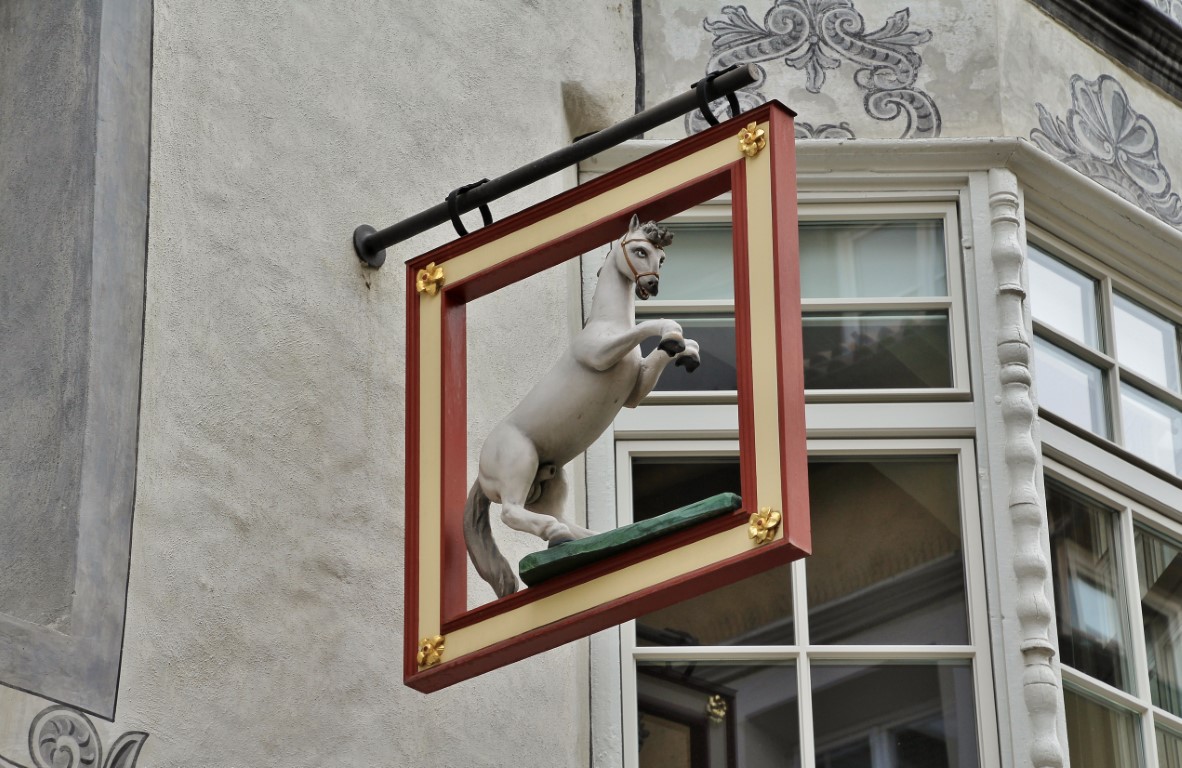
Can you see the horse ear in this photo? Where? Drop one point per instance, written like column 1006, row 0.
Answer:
column 634, row 224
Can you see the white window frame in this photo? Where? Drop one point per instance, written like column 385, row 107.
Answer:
column 1096, row 263
column 870, row 206
column 802, row 653
column 1130, row 513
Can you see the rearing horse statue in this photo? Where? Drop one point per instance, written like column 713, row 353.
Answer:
column 522, row 461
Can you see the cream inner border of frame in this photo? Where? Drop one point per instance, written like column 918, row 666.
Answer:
column 765, row 388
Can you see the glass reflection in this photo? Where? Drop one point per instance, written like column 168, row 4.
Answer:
column 855, row 259
column 1169, row 749
column 1159, row 577
column 700, row 263
column 876, row 350
column 716, row 340
column 1063, row 298
column 887, row 564
column 1071, row 388
column 1146, row 342
column 704, row 714
column 754, row 611
column 1152, row 429
column 905, row 715
column 1093, row 636
column 1099, row 736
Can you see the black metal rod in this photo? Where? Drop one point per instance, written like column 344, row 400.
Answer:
column 371, row 244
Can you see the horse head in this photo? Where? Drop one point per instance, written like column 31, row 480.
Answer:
column 641, row 253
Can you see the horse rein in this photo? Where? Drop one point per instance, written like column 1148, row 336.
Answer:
column 635, row 274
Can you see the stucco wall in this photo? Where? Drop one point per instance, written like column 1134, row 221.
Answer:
column 265, row 598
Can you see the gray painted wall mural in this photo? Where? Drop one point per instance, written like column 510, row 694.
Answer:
column 1105, row 139
column 815, row 36
column 60, row 737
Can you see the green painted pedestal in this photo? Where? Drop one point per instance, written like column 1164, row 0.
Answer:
column 539, row 566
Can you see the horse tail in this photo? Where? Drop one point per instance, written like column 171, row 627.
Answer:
column 482, row 548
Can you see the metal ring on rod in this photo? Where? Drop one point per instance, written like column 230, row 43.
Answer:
column 453, row 207
column 700, row 89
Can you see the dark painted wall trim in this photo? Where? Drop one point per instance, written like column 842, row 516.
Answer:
column 638, row 51
column 80, row 666
column 1133, row 32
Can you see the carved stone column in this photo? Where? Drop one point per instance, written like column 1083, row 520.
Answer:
column 1025, row 505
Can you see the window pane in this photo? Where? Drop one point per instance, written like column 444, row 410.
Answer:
column 1159, row 576
column 1063, row 298
column 846, row 259
column 908, row 715
column 1093, row 636
column 1153, row 430
column 754, row 611
column 1070, row 387
column 699, row 264
column 1146, row 342
column 664, row 483
column 724, row 714
column 1169, row 749
column 887, row 563
column 876, row 350
column 1099, row 736
column 716, row 347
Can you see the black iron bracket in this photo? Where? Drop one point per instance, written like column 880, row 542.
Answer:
column 371, row 244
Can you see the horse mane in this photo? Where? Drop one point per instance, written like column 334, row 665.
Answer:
column 656, row 234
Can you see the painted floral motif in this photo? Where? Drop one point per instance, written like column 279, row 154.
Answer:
column 1104, row 138
column 61, row 737
column 841, row 130
column 815, row 36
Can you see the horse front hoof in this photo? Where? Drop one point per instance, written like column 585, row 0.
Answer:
column 672, row 347
column 688, row 363
column 558, row 541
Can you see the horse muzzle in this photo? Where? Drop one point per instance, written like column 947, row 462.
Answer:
column 647, row 286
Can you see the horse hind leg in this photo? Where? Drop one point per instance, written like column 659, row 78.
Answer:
column 514, row 489
column 551, row 502
column 545, row 473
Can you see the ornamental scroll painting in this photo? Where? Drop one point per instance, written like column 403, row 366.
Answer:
column 523, row 460
column 816, row 37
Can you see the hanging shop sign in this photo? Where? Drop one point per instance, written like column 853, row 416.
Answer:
column 583, row 583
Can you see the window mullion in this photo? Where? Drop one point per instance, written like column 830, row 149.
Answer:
column 1113, row 375
column 1105, row 692
column 1089, row 355
column 804, row 670
column 1133, row 608
column 885, row 304
column 1137, row 650
column 1153, row 389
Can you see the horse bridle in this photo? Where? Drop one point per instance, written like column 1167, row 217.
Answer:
column 644, row 294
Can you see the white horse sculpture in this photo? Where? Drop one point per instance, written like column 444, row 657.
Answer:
column 522, row 460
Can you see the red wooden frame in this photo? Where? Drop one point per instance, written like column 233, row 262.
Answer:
column 705, row 166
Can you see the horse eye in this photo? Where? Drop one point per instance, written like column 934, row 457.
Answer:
column 662, row 261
